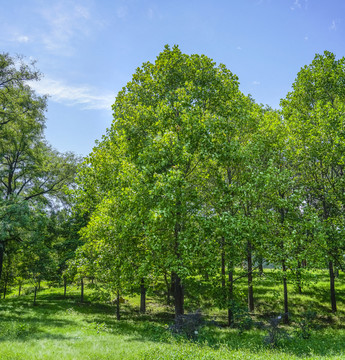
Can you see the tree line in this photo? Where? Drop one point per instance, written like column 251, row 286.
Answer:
column 194, row 181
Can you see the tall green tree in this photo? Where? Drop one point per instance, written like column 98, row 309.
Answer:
column 314, row 116
column 30, row 170
column 163, row 127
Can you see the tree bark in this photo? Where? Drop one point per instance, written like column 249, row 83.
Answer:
column 332, row 286
column 178, row 295
column 5, row 284
column 261, row 266
column 298, row 275
column 142, row 297
column 118, row 305
column 223, row 270
column 250, row 277
column 230, row 297
column 2, row 251
column 35, row 296
column 286, row 304
column 64, row 286
column 82, row 290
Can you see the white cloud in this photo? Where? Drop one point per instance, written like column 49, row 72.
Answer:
column 306, row 38
column 239, row 48
column 84, row 96
column 65, row 21
column 256, row 82
column 333, row 26
column 297, row 5
column 22, row 39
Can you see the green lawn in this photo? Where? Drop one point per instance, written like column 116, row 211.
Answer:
column 59, row 328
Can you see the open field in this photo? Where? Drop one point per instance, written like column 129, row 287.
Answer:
column 64, row 328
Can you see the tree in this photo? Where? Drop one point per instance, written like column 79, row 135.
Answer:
column 30, row 170
column 314, row 116
column 16, row 97
column 163, row 128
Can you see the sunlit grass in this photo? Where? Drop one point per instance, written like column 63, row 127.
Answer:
column 64, row 328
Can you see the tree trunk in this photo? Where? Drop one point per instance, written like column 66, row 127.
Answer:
column 224, row 296
column 5, row 284
column 261, row 266
column 250, row 277
column 64, row 286
column 2, row 251
column 82, row 290
column 332, row 287
column 298, row 275
column 178, row 295
column 39, row 285
column 35, row 296
column 169, row 288
column 118, row 305
column 286, row 304
column 20, row 289
column 230, row 297
column 142, row 297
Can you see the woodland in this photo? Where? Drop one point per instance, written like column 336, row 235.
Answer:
column 195, row 197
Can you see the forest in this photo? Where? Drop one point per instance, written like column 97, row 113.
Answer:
column 197, row 200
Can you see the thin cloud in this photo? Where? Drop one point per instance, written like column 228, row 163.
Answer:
column 65, row 22
column 333, row 26
column 256, row 82
column 298, row 5
column 84, row 96
column 22, row 39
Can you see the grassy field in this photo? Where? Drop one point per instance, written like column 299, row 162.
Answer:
column 64, row 328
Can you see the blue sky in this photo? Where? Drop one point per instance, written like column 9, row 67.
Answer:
column 89, row 49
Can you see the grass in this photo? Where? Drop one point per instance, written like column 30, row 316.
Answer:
column 63, row 328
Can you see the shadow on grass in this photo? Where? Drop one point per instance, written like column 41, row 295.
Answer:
column 36, row 322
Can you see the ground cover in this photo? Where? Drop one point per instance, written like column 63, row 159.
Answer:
column 58, row 327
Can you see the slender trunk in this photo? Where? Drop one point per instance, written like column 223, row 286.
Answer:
column 250, row 277
column 20, row 289
column 39, row 285
column 332, row 287
column 2, row 251
column 118, row 305
column 286, row 305
column 82, row 290
column 178, row 294
column 178, row 287
column 35, row 295
column 64, row 286
column 230, row 297
column 261, row 266
column 299, row 281
column 223, row 270
column 5, row 285
column 142, row 297
column 336, row 273
column 172, row 285
column 168, row 286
